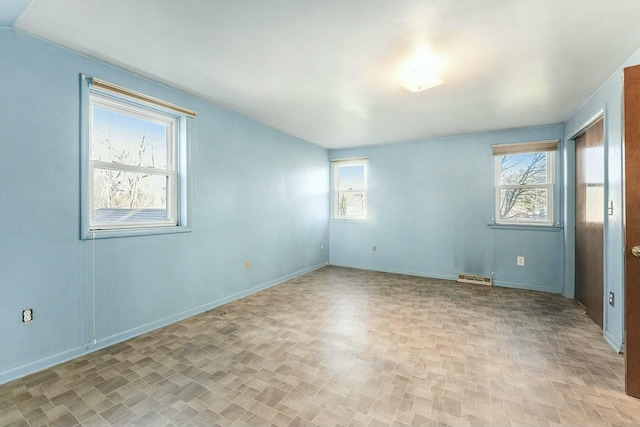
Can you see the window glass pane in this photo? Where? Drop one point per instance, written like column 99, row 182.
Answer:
column 524, row 204
column 526, row 168
column 121, row 138
column 121, row 197
column 350, row 204
column 351, row 177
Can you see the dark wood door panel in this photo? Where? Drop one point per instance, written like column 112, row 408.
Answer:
column 590, row 206
column 632, row 229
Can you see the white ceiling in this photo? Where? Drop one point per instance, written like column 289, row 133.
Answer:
column 326, row 71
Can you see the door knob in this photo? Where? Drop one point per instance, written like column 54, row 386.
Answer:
column 636, row 251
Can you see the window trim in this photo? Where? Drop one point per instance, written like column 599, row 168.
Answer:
column 182, row 134
column 547, row 146
column 335, row 164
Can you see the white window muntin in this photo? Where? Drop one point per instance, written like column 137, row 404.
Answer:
column 364, row 162
column 549, row 186
column 133, row 108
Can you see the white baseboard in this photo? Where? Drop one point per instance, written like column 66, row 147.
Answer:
column 55, row 359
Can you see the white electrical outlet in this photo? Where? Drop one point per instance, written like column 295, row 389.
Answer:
column 27, row 315
column 520, row 261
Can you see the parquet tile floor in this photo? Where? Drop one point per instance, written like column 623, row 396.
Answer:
column 351, row 348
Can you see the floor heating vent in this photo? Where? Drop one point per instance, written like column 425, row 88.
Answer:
column 478, row 280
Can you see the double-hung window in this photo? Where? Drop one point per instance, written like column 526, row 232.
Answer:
column 350, row 188
column 525, row 182
column 134, row 154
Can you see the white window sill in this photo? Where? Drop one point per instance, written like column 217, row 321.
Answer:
column 347, row 219
column 132, row 232
column 528, row 227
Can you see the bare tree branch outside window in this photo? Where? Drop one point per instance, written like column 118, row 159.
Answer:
column 523, row 187
column 127, row 150
column 350, row 189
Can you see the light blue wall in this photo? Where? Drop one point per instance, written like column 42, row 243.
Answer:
column 608, row 99
column 256, row 194
column 10, row 10
column 430, row 203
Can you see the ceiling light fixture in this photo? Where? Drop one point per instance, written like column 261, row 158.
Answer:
column 422, row 79
column 421, row 70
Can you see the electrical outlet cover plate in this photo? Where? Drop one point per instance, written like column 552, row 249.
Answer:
column 611, row 299
column 27, row 315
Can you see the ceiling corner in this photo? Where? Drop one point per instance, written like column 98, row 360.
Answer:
column 10, row 11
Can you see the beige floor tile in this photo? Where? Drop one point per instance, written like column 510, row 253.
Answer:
column 346, row 347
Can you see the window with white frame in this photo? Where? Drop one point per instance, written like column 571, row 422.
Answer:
column 134, row 173
column 350, row 188
column 525, row 182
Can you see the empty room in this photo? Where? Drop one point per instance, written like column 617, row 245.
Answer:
column 319, row 213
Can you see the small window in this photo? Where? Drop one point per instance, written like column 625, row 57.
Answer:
column 134, row 174
column 525, row 182
column 350, row 189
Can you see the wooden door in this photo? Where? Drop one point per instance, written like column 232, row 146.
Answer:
column 590, row 207
column 632, row 229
